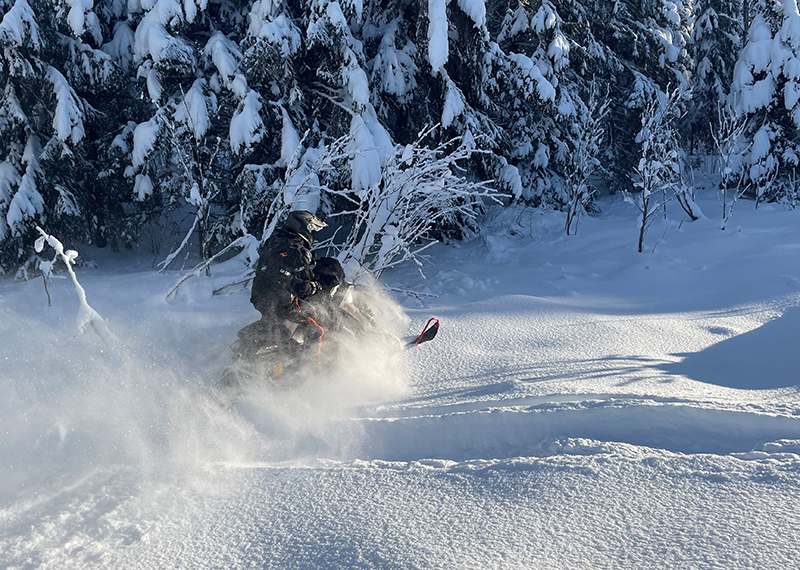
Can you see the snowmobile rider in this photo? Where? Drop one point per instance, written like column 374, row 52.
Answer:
column 284, row 280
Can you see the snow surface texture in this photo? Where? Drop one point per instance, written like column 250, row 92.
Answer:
column 584, row 406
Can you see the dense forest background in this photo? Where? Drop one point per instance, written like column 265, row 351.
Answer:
column 390, row 115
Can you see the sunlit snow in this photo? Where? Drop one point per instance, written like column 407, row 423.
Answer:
column 584, row 406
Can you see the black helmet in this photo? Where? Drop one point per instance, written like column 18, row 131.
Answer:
column 304, row 223
column 328, row 272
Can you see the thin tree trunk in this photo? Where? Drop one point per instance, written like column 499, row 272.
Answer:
column 745, row 21
column 645, row 215
column 641, row 235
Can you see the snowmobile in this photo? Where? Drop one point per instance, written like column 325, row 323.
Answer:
column 283, row 355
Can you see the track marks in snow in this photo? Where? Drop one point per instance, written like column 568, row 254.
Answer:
column 646, row 507
column 513, row 431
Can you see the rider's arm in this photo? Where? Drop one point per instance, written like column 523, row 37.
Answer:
column 303, row 284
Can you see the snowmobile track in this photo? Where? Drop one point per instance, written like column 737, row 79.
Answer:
column 503, row 432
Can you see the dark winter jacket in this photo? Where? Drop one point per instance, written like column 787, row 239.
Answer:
column 283, row 276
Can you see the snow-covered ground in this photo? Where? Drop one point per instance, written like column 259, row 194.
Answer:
column 584, row 406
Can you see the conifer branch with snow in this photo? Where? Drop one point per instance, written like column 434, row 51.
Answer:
column 421, row 189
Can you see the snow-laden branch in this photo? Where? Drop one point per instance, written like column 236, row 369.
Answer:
column 246, row 242
column 87, row 316
column 421, row 189
column 416, row 189
column 729, row 141
column 164, row 265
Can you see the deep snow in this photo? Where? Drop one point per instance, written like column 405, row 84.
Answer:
column 584, row 406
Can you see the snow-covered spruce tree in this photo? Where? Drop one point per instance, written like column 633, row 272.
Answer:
column 503, row 70
column 340, row 69
column 659, row 163
column 570, row 45
column 715, row 43
column 766, row 89
column 510, row 91
column 437, row 62
column 434, row 63
column 310, row 87
column 202, row 113
column 529, row 57
column 60, row 93
column 626, row 45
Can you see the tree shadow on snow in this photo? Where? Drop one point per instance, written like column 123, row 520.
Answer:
column 765, row 358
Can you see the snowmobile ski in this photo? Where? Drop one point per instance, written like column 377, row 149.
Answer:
column 428, row 333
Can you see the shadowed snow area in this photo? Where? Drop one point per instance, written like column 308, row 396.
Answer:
column 766, row 357
column 584, row 406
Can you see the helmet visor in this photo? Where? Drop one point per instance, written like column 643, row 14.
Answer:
column 315, row 224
